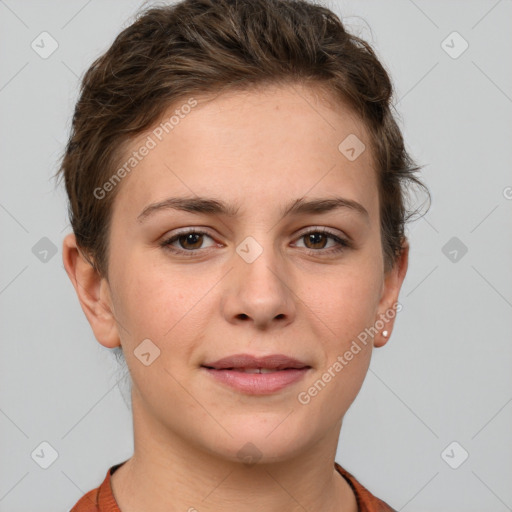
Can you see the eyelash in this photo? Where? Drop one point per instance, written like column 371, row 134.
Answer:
column 342, row 244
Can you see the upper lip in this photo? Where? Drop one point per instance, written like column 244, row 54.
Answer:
column 273, row 361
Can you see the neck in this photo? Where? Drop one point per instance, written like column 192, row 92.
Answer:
column 168, row 472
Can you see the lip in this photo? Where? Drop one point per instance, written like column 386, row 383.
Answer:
column 228, row 371
column 272, row 362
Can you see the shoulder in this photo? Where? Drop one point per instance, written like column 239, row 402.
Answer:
column 88, row 502
column 366, row 501
column 100, row 499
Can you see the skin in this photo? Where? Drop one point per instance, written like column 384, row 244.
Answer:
column 260, row 149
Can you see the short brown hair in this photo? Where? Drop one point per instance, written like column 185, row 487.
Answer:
column 208, row 46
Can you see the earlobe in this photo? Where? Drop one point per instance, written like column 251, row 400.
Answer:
column 393, row 281
column 92, row 291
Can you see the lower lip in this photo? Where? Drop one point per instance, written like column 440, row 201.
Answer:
column 258, row 383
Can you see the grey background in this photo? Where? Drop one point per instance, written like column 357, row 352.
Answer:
column 444, row 376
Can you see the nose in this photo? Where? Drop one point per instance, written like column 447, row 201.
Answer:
column 259, row 291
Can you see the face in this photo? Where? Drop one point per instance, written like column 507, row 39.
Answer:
column 253, row 279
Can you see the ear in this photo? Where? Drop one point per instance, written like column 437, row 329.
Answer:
column 387, row 309
column 93, row 292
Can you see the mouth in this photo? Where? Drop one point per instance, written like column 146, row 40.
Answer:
column 254, row 370
column 244, row 362
column 257, row 375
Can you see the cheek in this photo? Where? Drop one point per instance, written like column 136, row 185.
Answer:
column 343, row 314
column 143, row 298
column 345, row 300
column 161, row 303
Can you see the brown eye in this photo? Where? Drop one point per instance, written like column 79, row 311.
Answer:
column 188, row 243
column 317, row 240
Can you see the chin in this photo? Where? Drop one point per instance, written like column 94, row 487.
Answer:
column 261, row 441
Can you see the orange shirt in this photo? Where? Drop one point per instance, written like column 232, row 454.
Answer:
column 101, row 499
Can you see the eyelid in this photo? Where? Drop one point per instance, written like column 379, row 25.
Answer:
column 321, row 229
column 204, row 231
column 169, row 239
column 185, row 231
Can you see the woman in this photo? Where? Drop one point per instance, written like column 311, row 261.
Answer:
column 237, row 195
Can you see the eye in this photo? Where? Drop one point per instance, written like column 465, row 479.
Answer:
column 316, row 239
column 189, row 241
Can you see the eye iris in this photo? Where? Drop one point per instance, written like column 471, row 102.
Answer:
column 313, row 238
column 189, row 238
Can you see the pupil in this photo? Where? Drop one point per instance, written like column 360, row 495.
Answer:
column 189, row 239
column 316, row 235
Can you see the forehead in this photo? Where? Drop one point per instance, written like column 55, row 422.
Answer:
column 254, row 147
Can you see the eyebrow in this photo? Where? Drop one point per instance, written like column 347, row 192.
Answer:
column 203, row 205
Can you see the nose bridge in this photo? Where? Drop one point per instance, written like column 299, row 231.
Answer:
column 259, row 288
